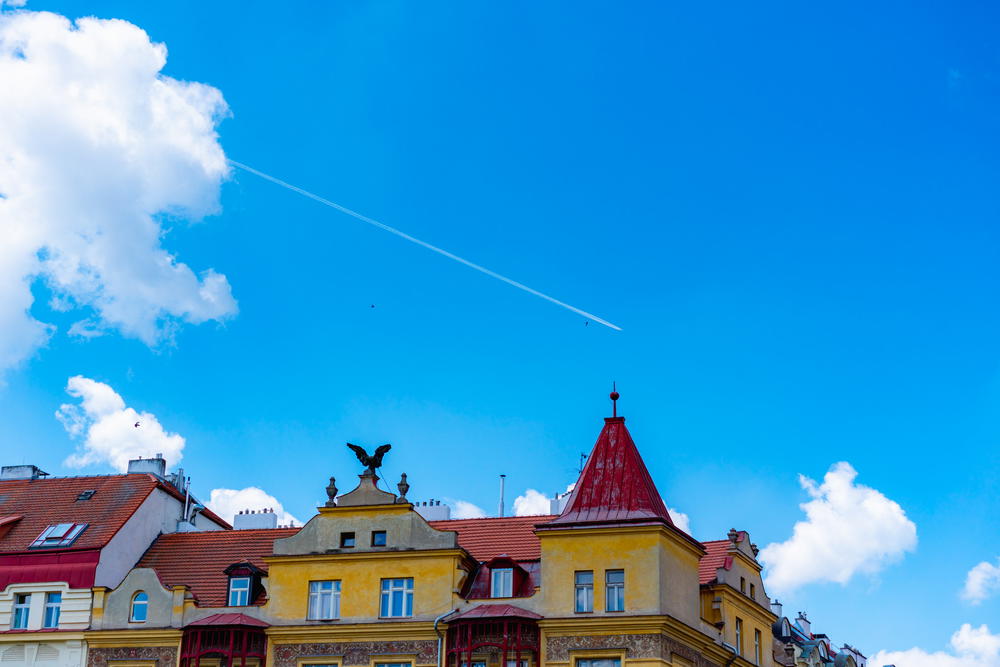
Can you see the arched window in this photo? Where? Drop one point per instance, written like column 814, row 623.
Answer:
column 140, row 604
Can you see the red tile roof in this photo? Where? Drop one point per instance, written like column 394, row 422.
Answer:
column 44, row 502
column 198, row 559
column 496, row 611
column 716, row 556
column 615, row 485
column 485, row 539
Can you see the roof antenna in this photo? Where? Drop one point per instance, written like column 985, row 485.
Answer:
column 502, row 478
column 614, row 400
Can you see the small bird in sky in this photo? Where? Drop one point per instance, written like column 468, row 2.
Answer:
column 373, row 305
column 137, row 424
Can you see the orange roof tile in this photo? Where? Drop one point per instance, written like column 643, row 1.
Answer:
column 716, row 556
column 45, row 502
column 486, row 539
column 198, row 559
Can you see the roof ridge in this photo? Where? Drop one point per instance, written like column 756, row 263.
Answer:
column 493, row 518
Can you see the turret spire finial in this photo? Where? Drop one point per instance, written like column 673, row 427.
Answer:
column 614, row 400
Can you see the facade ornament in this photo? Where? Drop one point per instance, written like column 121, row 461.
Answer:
column 403, row 487
column 371, row 462
column 733, row 535
column 331, row 493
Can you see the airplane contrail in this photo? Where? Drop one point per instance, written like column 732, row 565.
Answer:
column 425, row 244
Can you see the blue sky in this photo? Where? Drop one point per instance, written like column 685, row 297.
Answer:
column 791, row 212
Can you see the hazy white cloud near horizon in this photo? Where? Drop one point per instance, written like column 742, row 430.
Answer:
column 97, row 149
column 229, row 502
column 970, row 647
column 108, row 428
column 849, row 529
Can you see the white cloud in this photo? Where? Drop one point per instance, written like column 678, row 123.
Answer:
column 680, row 519
column 849, row 529
column 466, row 510
column 981, row 582
column 971, row 647
column 531, row 503
column 108, row 428
column 12, row 3
column 98, row 152
column 227, row 502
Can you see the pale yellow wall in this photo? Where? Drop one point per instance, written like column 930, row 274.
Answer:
column 435, row 576
column 661, row 575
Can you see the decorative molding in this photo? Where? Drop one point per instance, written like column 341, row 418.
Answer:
column 355, row 654
column 160, row 656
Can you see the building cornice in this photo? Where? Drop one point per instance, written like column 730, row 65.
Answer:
column 343, row 555
column 382, row 631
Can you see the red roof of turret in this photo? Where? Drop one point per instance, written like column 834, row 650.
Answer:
column 615, row 486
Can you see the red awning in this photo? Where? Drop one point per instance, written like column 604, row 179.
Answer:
column 495, row 611
column 230, row 620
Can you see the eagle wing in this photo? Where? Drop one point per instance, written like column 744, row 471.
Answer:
column 379, row 453
column 360, row 453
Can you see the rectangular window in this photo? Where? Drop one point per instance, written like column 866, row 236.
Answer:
column 614, row 582
column 517, row 663
column 739, row 636
column 58, row 535
column 53, row 601
column 22, row 605
column 378, row 538
column 475, row 663
column 239, row 591
column 397, row 598
column 743, row 585
column 502, row 583
column 324, row 600
column 584, row 581
column 756, row 646
column 394, row 664
column 598, row 662
column 753, row 591
column 346, row 540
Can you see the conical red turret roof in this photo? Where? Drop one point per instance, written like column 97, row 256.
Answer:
column 615, row 486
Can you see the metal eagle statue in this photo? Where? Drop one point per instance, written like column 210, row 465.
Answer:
column 371, row 462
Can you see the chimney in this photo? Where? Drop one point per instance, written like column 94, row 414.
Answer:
column 433, row 510
column 154, row 466
column 776, row 608
column 249, row 519
column 803, row 623
column 22, row 472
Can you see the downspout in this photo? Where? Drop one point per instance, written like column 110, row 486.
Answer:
column 440, row 637
column 735, row 654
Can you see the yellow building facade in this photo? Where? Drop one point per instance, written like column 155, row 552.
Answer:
column 368, row 582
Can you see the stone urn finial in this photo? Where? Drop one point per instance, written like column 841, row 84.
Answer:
column 331, row 493
column 403, row 487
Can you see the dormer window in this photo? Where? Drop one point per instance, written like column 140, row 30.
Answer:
column 502, row 582
column 58, row 535
column 140, row 607
column 244, row 584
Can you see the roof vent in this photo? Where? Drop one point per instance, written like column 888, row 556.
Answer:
column 86, row 495
column 154, row 466
column 22, row 472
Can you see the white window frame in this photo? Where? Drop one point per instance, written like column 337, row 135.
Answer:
column 50, row 618
column 21, row 612
column 502, row 582
column 135, row 604
column 400, row 588
column 239, row 591
column 756, row 646
column 739, row 636
column 614, row 591
column 324, row 600
column 583, row 598
column 58, row 535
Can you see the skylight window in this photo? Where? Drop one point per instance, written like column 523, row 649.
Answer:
column 59, row 535
column 86, row 495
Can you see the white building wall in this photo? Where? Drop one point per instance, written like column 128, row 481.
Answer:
column 159, row 513
column 74, row 613
column 48, row 653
